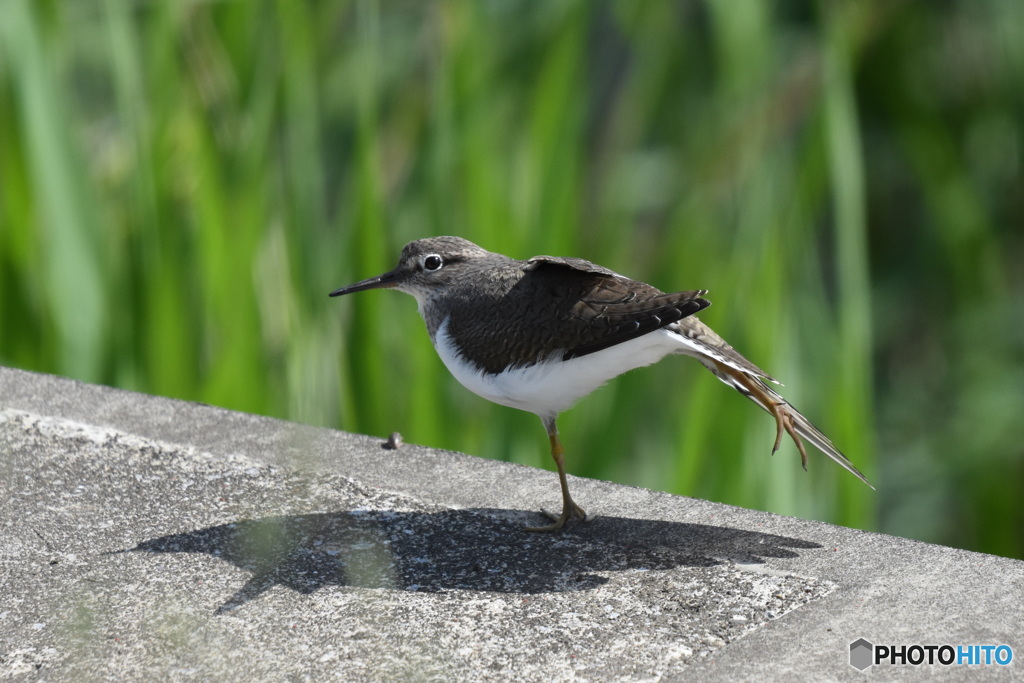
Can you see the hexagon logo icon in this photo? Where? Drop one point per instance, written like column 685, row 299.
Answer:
column 861, row 654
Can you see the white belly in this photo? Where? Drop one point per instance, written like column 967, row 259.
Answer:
column 548, row 388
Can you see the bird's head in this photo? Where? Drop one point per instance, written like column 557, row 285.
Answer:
column 424, row 268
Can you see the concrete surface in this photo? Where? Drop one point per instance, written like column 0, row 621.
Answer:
column 151, row 539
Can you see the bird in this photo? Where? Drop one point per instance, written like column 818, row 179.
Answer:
column 541, row 333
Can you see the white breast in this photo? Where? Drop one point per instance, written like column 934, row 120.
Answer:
column 552, row 386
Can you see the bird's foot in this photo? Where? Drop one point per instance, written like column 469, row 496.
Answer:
column 570, row 510
column 784, row 421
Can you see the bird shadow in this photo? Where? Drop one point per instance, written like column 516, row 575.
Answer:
column 483, row 549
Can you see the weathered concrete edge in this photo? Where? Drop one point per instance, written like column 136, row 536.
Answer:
column 891, row 590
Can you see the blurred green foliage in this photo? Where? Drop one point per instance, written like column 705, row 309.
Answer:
column 183, row 181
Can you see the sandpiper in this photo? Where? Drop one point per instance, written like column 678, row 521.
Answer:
column 540, row 334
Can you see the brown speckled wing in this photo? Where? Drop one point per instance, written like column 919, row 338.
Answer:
column 601, row 308
column 525, row 311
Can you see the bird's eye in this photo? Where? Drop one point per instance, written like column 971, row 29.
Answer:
column 432, row 262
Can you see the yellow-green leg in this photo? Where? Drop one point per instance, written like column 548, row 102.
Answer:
column 569, row 507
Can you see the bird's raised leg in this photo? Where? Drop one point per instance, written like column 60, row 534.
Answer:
column 784, row 414
column 569, row 507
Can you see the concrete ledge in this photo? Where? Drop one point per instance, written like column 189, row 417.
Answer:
column 149, row 538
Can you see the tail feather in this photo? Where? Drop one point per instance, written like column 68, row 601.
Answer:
column 807, row 430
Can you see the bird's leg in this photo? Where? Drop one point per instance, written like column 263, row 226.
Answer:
column 569, row 507
column 771, row 402
column 784, row 420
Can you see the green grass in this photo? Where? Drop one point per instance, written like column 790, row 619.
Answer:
column 181, row 184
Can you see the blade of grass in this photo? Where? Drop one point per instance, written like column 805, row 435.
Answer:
column 72, row 260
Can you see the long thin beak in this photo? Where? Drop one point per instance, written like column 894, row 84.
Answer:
column 385, row 281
